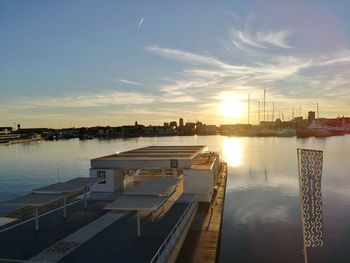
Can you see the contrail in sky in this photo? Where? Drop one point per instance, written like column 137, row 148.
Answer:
column 139, row 26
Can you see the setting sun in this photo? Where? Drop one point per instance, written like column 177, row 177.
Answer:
column 231, row 107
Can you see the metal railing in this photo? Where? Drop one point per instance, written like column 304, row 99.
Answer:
column 170, row 241
column 76, row 200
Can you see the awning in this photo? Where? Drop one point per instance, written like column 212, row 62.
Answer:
column 151, row 189
column 6, row 220
column 46, row 195
column 136, row 203
column 35, row 200
column 70, row 186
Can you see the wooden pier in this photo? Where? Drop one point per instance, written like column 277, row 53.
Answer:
column 203, row 239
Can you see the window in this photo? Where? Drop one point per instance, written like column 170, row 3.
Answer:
column 101, row 175
column 173, row 163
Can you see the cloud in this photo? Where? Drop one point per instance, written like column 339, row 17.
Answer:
column 83, row 100
column 245, row 40
column 340, row 57
column 185, row 86
column 290, row 76
column 277, row 39
column 140, row 24
column 188, row 57
column 178, row 99
column 184, row 90
column 277, row 68
column 254, row 57
column 130, row 82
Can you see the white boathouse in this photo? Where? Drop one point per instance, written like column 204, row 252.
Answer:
column 193, row 164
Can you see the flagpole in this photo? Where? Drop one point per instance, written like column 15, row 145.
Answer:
column 301, row 206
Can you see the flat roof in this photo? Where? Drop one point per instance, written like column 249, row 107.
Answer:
column 35, row 200
column 136, row 203
column 156, row 187
column 70, row 186
column 6, row 220
column 204, row 161
column 156, row 152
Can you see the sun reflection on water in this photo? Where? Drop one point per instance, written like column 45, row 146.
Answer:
column 232, row 151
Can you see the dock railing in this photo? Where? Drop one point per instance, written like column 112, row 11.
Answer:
column 169, row 243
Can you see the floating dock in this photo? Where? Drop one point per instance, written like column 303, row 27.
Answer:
column 171, row 211
column 203, row 239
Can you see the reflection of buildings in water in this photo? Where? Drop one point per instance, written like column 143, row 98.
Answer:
column 266, row 182
column 232, row 150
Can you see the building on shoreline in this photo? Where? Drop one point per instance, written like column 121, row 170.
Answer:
column 279, row 127
column 197, row 167
column 5, row 130
column 147, row 220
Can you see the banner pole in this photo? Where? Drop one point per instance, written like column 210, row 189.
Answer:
column 301, row 207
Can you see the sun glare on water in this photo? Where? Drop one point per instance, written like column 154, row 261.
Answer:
column 233, row 151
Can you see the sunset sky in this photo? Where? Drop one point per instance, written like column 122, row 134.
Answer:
column 85, row 63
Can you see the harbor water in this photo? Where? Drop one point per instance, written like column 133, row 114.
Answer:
column 261, row 220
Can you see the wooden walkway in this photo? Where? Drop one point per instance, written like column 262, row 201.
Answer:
column 203, row 239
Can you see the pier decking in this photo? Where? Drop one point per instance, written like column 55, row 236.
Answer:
column 23, row 242
column 116, row 240
column 203, row 239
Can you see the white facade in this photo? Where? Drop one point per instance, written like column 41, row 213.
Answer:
column 140, row 164
column 157, row 161
column 114, row 180
column 200, row 182
column 201, row 179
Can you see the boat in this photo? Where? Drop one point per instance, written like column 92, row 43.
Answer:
column 316, row 130
column 285, row 133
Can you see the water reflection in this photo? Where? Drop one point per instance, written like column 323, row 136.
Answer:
column 232, row 151
column 262, row 213
column 261, row 216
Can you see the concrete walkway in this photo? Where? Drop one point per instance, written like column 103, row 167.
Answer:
column 73, row 241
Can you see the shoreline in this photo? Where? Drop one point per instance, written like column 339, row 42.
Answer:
column 21, row 141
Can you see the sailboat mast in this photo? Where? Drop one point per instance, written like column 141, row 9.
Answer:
column 259, row 112
column 264, row 105
column 248, row 107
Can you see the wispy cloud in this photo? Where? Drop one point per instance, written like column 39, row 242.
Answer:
column 188, row 57
column 140, row 24
column 277, row 39
column 129, row 82
column 277, row 68
column 290, row 75
column 342, row 56
column 245, row 40
column 100, row 99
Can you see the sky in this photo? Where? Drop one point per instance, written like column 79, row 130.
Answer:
column 86, row 63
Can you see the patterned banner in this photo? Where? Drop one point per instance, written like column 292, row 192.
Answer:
column 310, row 163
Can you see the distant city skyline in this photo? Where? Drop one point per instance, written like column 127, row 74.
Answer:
column 89, row 63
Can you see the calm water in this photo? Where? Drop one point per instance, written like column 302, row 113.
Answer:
column 261, row 218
